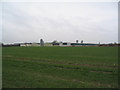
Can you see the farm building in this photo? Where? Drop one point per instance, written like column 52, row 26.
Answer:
column 35, row 44
column 83, row 44
column 65, row 44
column 48, row 44
column 74, row 44
column 56, row 44
column 25, row 44
column 29, row 44
column 10, row 45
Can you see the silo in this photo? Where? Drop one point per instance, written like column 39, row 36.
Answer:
column 41, row 42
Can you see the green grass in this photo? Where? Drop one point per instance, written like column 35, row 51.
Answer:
column 60, row 67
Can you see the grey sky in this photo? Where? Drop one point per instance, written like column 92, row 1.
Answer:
column 88, row 21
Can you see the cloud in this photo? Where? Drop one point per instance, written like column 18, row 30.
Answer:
column 28, row 22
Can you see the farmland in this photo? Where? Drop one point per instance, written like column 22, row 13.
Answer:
column 60, row 67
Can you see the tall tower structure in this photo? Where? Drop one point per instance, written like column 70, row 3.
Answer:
column 41, row 42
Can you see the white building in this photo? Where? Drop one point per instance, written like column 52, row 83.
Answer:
column 25, row 44
column 22, row 44
column 29, row 44
column 65, row 44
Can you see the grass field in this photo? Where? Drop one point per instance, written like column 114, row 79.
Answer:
column 60, row 67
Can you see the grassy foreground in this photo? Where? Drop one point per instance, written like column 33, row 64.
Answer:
column 60, row 67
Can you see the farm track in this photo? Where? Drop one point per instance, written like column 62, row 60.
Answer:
column 54, row 64
column 58, row 62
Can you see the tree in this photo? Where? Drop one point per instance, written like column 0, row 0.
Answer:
column 55, row 41
column 81, row 41
column 76, row 41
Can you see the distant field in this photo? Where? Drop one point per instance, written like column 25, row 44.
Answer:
column 60, row 67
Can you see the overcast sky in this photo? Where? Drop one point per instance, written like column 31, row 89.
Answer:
column 62, row 21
